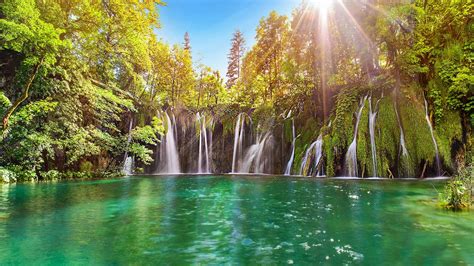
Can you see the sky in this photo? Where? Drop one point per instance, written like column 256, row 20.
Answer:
column 211, row 23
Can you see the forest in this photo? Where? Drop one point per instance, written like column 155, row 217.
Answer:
column 84, row 85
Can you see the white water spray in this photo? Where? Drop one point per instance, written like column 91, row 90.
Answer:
column 438, row 167
column 253, row 156
column 372, row 118
column 169, row 159
column 351, row 155
column 293, row 143
column 203, row 167
column 315, row 148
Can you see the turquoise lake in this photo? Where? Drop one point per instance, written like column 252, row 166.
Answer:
column 231, row 220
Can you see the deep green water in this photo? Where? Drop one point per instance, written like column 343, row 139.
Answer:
column 236, row 220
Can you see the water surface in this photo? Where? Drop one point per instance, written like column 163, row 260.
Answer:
column 232, row 220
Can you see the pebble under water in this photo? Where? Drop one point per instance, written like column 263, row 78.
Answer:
column 231, row 220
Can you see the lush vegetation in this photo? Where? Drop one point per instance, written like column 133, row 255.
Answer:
column 82, row 82
column 458, row 192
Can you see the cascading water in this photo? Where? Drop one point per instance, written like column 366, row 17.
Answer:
column 293, row 143
column 253, row 157
column 238, row 142
column 128, row 160
column 128, row 166
column 372, row 118
column 169, row 159
column 438, row 167
column 203, row 167
column 404, row 151
column 351, row 155
column 315, row 148
column 210, row 145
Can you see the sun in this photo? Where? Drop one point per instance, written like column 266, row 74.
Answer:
column 322, row 5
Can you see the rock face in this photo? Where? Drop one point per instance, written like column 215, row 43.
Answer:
column 393, row 140
column 7, row 176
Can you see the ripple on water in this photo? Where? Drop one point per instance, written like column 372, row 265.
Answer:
column 347, row 249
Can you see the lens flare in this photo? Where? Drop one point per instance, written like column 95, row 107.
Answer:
column 322, row 5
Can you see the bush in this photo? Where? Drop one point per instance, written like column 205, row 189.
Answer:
column 457, row 193
column 7, row 176
column 21, row 174
column 86, row 166
column 50, row 175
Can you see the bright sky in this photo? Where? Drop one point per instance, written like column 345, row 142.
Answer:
column 210, row 24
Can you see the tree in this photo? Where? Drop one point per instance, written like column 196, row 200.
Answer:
column 235, row 56
column 24, row 32
column 272, row 35
column 187, row 42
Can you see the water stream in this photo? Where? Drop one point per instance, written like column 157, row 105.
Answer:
column 254, row 159
column 438, row 167
column 351, row 155
column 128, row 160
column 293, row 143
column 314, row 151
column 372, row 117
column 204, row 148
column 169, row 159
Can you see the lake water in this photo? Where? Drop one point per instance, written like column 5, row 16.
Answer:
column 231, row 220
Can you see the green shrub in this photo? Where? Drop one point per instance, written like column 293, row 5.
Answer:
column 457, row 193
column 7, row 176
column 86, row 166
column 50, row 175
column 22, row 174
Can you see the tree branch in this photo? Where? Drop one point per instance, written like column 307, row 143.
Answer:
column 23, row 97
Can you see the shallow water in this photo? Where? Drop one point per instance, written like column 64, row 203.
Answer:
column 236, row 220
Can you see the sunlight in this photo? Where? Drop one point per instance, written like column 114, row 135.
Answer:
column 322, row 5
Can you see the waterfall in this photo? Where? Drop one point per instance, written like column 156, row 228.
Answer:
column 403, row 147
column 293, row 143
column 438, row 167
column 209, row 166
column 253, row 156
column 238, row 141
column 203, row 145
column 372, row 118
column 128, row 166
column 128, row 160
column 351, row 155
column 315, row 148
column 169, row 159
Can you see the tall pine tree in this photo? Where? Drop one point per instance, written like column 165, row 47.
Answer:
column 235, row 58
column 187, row 42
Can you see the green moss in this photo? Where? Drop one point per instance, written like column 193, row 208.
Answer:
column 328, row 152
column 417, row 134
column 387, row 137
column 364, row 156
column 447, row 131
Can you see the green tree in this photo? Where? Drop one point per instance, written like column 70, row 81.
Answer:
column 235, row 56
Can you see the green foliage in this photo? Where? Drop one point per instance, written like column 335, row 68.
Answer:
column 86, row 166
column 101, row 66
column 418, row 138
column 448, row 131
column 7, row 176
column 50, row 175
column 457, row 194
column 387, row 137
column 4, row 102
